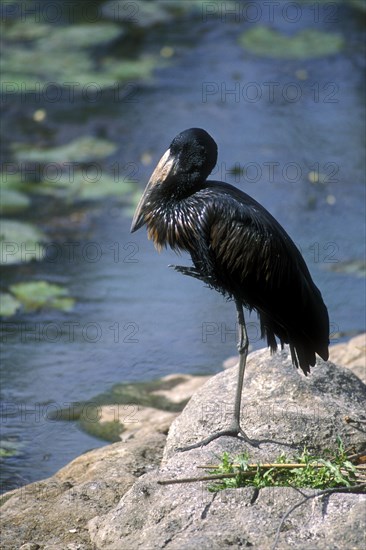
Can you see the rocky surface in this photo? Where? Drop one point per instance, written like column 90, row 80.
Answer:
column 53, row 514
column 110, row 498
column 351, row 355
column 279, row 404
column 133, row 418
column 284, row 411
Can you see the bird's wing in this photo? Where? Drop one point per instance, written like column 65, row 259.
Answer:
column 245, row 239
column 252, row 257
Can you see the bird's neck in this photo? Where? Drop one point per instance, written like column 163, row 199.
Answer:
column 169, row 220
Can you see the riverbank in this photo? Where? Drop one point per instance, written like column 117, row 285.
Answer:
column 80, row 507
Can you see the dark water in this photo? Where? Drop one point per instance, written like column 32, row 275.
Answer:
column 135, row 319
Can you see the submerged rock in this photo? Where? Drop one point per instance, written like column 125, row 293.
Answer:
column 128, row 408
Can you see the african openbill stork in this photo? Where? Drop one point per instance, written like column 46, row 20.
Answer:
column 238, row 249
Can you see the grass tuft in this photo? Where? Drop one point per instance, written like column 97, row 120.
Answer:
column 332, row 470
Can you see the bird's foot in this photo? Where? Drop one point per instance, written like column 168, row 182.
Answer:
column 234, row 431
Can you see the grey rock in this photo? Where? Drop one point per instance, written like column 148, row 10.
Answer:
column 281, row 406
column 52, row 514
column 351, row 354
column 185, row 517
column 110, row 498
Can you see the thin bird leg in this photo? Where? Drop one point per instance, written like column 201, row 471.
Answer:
column 243, row 346
column 234, row 430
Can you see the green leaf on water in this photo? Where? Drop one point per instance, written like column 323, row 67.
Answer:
column 20, row 242
column 62, row 56
column 12, row 201
column 305, row 44
column 41, row 294
column 8, row 304
column 349, row 267
column 84, row 188
column 82, row 149
column 80, row 36
column 22, row 29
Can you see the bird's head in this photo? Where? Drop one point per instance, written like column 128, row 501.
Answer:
column 191, row 157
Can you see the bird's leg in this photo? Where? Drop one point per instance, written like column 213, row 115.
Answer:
column 243, row 346
column 234, row 429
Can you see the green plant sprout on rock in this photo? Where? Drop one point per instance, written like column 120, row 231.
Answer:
column 332, row 470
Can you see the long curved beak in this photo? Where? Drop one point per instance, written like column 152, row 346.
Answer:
column 164, row 168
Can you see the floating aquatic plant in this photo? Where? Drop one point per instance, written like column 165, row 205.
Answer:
column 308, row 43
column 144, row 13
column 41, row 294
column 12, row 201
column 80, row 36
column 350, row 267
column 20, row 242
column 83, row 186
column 63, row 56
column 82, row 149
column 8, row 305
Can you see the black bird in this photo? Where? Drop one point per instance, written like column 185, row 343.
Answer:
column 238, row 249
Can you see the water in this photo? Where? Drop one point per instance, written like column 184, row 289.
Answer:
column 136, row 319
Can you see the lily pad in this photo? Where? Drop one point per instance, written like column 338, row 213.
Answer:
column 119, row 71
column 358, row 4
column 107, row 186
column 80, row 36
column 83, row 149
column 51, row 38
column 41, row 294
column 24, row 30
column 62, row 56
column 139, row 13
column 28, row 70
column 85, row 188
column 146, row 13
column 20, row 242
column 351, row 267
column 309, row 43
column 34, row 71
column 9, row 448
column 13, row 201
column 8, row 304
column 10, row 181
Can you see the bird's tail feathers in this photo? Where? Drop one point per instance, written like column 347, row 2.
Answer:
column 302, row 352
column 303, row 357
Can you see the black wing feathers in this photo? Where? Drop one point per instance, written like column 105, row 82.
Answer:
column 248, row 255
